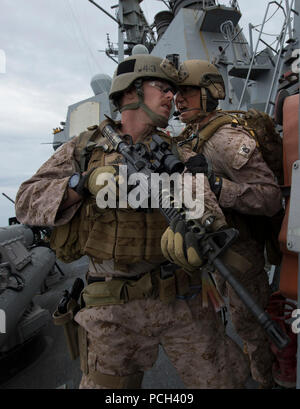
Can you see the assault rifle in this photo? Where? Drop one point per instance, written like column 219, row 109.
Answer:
column 211, row 245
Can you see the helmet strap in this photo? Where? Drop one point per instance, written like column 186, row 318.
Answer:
column 203, row 110
column 203, row 99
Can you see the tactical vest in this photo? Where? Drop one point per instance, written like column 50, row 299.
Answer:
column 264, row 230
column 125, row 235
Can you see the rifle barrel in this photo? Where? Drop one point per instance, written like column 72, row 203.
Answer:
column 274, row 332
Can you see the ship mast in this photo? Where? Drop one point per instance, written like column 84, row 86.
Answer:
column 133, row 29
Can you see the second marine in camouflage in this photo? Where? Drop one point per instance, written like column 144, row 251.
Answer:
column 244, row 187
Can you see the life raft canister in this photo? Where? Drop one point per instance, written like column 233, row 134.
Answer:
column 289, row 118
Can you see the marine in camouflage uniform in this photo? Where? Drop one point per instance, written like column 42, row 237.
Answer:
column 126, row 314
column 245, row 189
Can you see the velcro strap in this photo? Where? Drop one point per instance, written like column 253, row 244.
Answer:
column 133, row 381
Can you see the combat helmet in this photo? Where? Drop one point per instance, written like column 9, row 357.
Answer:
column 132, row 71
column 202, row 74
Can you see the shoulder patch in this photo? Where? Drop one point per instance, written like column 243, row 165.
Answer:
column 244, row 152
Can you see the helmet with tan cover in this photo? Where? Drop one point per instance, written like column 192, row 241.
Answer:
column 140, row 66
column 202, row 74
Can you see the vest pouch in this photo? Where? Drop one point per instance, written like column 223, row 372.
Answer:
column 64, row 241
column 119, row 235
column 101, row 238
column 155, row 226
column 104, row 293
column 130, row 236
column 70, row 327
column 69, row 240
column 118, row 291
column 88, row 216
column 59, row 236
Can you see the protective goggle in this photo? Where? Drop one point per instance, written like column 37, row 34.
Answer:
column 163, row 87
column 187, row 91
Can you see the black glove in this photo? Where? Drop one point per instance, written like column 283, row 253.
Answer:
column 199, row 164
column 82, row 188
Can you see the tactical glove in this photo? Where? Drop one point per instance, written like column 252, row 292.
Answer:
column 81, row 188
column 180, row 246
column 199, row 164
column 99, row 178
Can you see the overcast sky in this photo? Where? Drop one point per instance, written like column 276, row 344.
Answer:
column 51, row 50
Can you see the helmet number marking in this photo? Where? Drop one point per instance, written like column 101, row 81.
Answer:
column 149, row 68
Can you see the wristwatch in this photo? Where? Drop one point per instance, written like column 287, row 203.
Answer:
column 76, row 182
